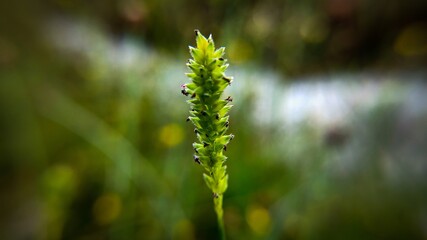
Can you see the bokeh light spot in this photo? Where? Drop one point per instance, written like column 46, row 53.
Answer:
column 183, row 229
column 313, row 30
column 107, row 208
column 240, row 51
column 171, row 135
column 258, row 219
column 412, row 41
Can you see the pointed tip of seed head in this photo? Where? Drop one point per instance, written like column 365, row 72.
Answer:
column 196, row 31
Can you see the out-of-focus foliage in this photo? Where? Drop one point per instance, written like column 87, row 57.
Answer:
column 94, row 143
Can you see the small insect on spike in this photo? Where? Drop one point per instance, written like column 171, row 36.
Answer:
column 221, row 59
column 205, row 144
column 184, row 92
column 195, row 150
column 188, row 119
column 229, row 99
column 227, row 123
column 196, row 31
column 217, row 116
column 197, row 159
column 225, row 147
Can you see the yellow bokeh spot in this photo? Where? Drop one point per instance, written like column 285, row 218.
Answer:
column 171, row 135
column 313, row 30
column 412, row 41
column 107, row 208
column 240, row 51
column 258, row 219
column 60, row 181
column 183, row 229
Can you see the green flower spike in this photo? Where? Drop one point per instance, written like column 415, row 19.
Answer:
column 209, row 114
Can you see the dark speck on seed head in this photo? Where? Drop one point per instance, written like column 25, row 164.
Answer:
column 196, row 159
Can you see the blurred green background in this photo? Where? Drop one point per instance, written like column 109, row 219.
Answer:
column 330, row 119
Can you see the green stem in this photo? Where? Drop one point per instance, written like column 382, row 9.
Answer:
column 219, row 214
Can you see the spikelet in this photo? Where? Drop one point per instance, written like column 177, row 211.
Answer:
column 209, row 113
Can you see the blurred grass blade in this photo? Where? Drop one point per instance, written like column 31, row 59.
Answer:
column 83, row 123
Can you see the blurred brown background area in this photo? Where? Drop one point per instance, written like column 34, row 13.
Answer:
column 294, row 37
column 330, row 119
